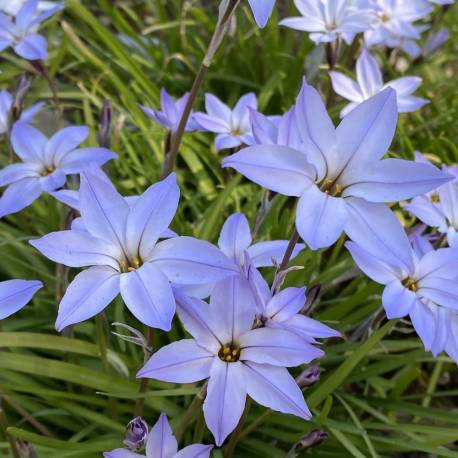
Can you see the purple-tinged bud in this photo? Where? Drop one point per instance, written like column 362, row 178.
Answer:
column 312, row 296
column 26, row 449
column 136, row 434
column 309, row 376
column 19, row 96
column 312, row 439
column 106, row 118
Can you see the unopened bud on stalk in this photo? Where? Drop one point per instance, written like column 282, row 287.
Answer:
column 19, row 97
column 136, row 434
column 312, row 439
column 309, row 376
column 26, row 449
column 106, row 118
column 312, row 296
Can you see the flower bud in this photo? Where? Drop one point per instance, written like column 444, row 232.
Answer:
column 136, row 433
column 106, row 117
column 312, row 439
column 19, row 96
column 26, row 449
column 309, row 376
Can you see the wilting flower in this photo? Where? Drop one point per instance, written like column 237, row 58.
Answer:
column 121, row 243
column 393, row 24
column 337, row 168
column 279, row 130
column 282, row 310
column 422, row 285
column 439, row 208
column 45, row 163
column 161, row 443
column 237, row 359
column 6, row 103
column 328, row 20
column 232, row 126
column 369, row 82
column 21, row 33
column 15, row 294
column 136, row 434
column 171, row 111
column 262, row 9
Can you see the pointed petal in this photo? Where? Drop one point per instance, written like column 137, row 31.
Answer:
column 15, row 172
column 391, row 245
column 397, row 300
column 233, row 302
column 28, row 143
column 308, row 328
column 441, row 291
column 218, row 109
column 211, row 123
column 88, row 294
column 278, row 168
column 225, row 401
column 64, row 141
column 182, row 361
column 148, row 295
column 274, row 387
column 426, row 211
column 276, row 347
column 285, row 304
column 76, row 249
column 320, row 218
column 122, row 453
column 345, row 87
column 103, row 209
column 79, row 159
column 441, row 263
column 19, row 195
column 161, row 441
column 424, row 322
column 15, row 294
column 264, row 254
column 189, row 261
column 405, row 85
column 151, row 215
column 392, row 180
column 365, row 134
column 262, row 9
column 235, row 237
column 195, row 451
column 32, row 47
column 368, row 74
column 28, row 114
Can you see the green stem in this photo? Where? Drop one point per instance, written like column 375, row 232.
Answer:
column 140, row 402
column 4, row 427
column 189, row 415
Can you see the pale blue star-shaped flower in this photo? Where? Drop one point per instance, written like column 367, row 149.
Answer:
column 6, row 103
column 421, row 282
column 15, row 294
column 12, row 7
column 328, row 20
column 233, row 126
column 21, row 33
column 45, row 163
column 161, row 443
column 120, row 243
column 369, row 81
column 439, row 208
column 337, row 168
column 237, row 359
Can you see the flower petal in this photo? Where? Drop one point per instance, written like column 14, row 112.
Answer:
column 64, row 141
column 225, row 401
column 77, row 160
column 32, row 47
column 274, row 387
column 278, row 168
column 77, row 249
column 264, row 254
column 276, row 347
column 161, row 442
column 151, row 215
column 286, row 303
column 183, row 361
column 345, row 87
column 307, row 328
column 441, row 291
column 195, row 451
column 88, row 294
column 189, row 261
column 397, row 300
column 368, row 74
column 235, row 237
column 15, row 294
column 262, row 9
column 122, row 453
column 15, row 172
column 320, row 218
column 19, row 195
column 148, row 295
column 28, row 143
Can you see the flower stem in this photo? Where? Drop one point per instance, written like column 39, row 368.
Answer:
column 4, row 427
column 140, row 402
column 236, row 435
column 218, row 35
column 280, row 275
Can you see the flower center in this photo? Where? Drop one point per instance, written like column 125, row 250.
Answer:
column 385, row 17
column 229, row 353
column 48, row 170
column 129, row 265
column 411, row 284
column 236, row 132
column 331, row 187
column 435, row 198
